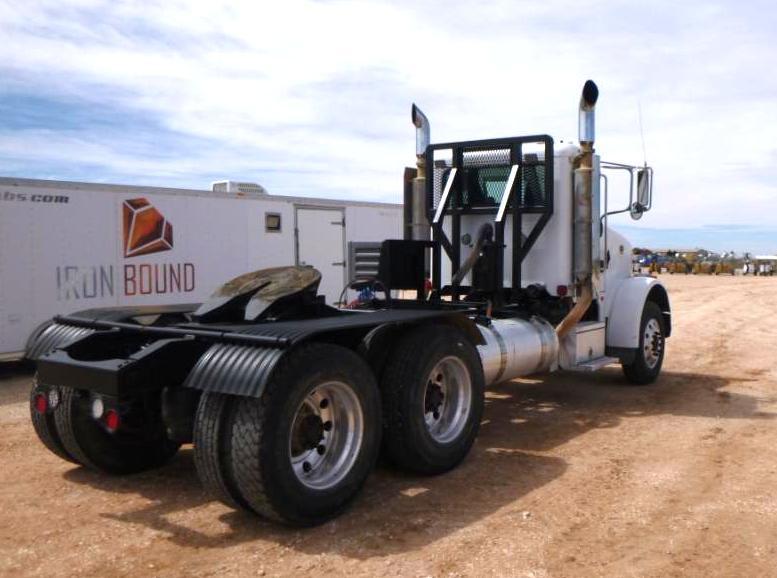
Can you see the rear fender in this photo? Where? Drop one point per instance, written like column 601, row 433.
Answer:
column 234, row 369
column 51, row 335
column 143, row 315
column 626, row 313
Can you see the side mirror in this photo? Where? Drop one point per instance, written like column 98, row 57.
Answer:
column 644, row 198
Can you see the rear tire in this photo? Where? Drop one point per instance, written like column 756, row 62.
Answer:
column 433, row 395
column 45, row 426
column 303, row 450
column 213, row 448
column 649, row 357
column 85, row 439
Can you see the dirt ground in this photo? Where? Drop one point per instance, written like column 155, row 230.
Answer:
column 572, row 475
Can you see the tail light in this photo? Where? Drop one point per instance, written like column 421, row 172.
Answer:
column 112, row 420
column 41, row 403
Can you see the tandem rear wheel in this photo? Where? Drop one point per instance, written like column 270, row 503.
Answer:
column 42, row 404
column 300, row 452
column 433, row 395
column 132, row 440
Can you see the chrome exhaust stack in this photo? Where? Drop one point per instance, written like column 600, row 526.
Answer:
column 419, row 224
column 422, row 132
column 516, row 347
column 583, row 240
column 586, row 113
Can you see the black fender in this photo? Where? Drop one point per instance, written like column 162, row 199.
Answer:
column 245, row 370
column 52, row 334
column 234, row 369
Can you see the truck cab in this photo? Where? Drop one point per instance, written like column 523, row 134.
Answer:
column 526, row 193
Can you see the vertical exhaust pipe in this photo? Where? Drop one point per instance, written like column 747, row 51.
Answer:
column 419, row 223
column 583, row 185
column 586, row 114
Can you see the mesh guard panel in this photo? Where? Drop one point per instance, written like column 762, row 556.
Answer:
column 483, row 175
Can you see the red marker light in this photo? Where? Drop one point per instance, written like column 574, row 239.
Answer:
column 41, row 403
column 112, row 420
column 561, row 290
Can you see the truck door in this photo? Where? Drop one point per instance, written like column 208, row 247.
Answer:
column 320, row 236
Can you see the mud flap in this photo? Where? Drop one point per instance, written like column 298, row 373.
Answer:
column 234, row 369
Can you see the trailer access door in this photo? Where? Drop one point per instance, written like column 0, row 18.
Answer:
column 321, row 243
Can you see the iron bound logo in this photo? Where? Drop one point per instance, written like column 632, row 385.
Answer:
column 145, row 229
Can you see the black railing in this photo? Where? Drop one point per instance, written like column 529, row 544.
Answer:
column 507, row 177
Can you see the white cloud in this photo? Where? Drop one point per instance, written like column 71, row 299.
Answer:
column 323, row 89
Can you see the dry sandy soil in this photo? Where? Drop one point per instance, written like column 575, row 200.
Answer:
column 572, row 475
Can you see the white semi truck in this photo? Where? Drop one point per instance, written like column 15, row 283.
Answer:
column 68, row 246
column 508, row 269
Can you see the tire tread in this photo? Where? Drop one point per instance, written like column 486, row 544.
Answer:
column 106, row 455
column 262, row 488
column 46, row 428
column 212, row 452
column 247, row 437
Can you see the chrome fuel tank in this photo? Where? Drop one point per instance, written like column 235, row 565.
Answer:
column 516, row 347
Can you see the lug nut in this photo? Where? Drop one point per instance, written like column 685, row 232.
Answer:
column 324, row 404
column 327, row 426
column 436, row 415
column 306, row 467
column 321, row 449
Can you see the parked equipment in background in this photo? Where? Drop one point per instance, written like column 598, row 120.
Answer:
column 68, row 246
column 765, row 265
column 508, row 268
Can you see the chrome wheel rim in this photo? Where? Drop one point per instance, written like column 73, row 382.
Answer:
column 447, row 399
column 326, row 435
column 653, row 343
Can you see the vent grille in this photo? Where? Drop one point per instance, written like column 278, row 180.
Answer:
column 363, row 261
column 240, row 187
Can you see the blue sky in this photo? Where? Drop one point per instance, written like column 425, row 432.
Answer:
column 313, row 97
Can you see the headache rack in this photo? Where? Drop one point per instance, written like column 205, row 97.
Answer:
column 499, row 177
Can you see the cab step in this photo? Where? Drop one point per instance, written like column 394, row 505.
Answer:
column 595, row 364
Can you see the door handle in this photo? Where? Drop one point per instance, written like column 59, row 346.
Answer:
column 339, row 263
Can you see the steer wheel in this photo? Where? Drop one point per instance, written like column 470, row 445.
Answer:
column 649, row 356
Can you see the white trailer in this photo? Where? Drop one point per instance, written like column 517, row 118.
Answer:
column 67, row 246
